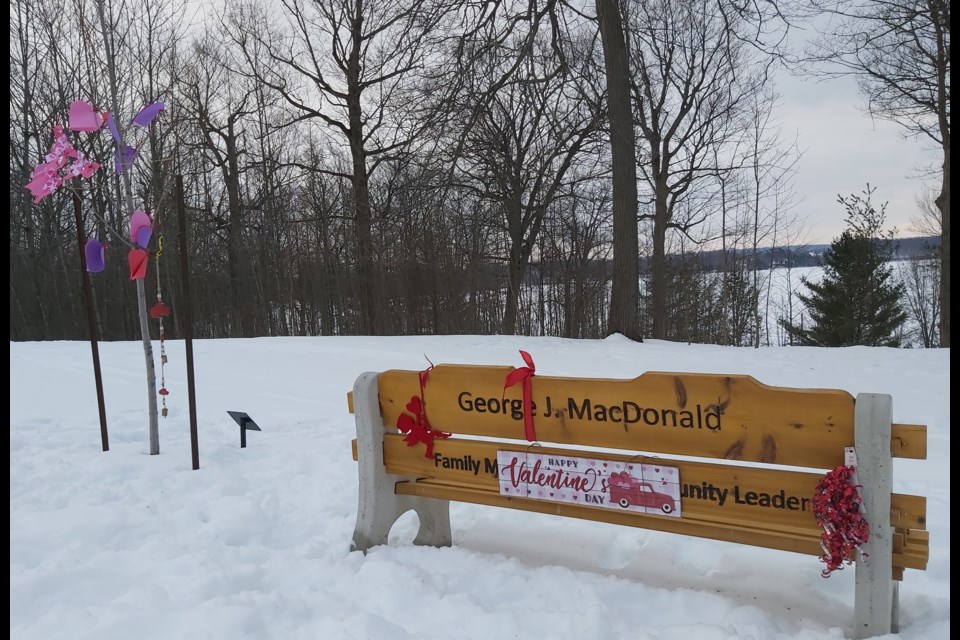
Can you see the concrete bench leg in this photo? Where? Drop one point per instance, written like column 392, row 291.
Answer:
column 379, row 506
column 876, row 599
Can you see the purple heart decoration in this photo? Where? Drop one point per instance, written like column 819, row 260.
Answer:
column 123, row 158
column 112, row 126
column 94, row 253
column 141, row 228
column 143, row 236
column 147, row 114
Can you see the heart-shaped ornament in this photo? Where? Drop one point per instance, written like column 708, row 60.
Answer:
column 83, row 117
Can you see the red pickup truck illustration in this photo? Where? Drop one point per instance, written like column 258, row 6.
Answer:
column 626, row 490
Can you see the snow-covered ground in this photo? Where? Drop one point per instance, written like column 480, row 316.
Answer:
column 256, row 543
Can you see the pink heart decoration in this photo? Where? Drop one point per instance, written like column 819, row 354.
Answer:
column 83, row 117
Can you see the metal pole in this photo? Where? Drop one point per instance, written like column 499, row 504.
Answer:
column 187, row 323
column 91, row 321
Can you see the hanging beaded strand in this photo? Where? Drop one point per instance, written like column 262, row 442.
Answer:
column 163, row 347
column 158, row 311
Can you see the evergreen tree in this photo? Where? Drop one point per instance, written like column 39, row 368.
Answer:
column 857, row 302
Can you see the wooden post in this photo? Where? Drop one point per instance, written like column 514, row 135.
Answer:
column 875, row 606
column 187, row 323
column 91, row 321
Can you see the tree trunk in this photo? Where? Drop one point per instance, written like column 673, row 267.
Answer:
column 625, row 291
column 242, row 311
column 658, row 283
column 943, row 203
column 366, row 291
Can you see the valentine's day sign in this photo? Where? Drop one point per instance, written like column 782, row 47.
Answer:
column 631, row 486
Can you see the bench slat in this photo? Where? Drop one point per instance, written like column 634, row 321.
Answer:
column 740, row 534
column 704, row 415
column 402, row 460
column 770, row 424
column 907, row 440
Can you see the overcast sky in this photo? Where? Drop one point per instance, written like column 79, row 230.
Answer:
column 844, row 149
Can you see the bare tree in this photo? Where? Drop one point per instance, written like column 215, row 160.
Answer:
column 920, row 273
column 899, row 53
column 217, row 102
column 343, row 63
column 108, row 32
column 694, row 83
column 525, row 148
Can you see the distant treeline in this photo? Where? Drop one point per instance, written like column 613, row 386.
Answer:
column 798, row 256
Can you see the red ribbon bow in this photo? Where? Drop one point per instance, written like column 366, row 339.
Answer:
column 416, row 427
column 524, row 374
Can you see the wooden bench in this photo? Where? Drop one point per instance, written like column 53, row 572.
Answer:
column 625, row 424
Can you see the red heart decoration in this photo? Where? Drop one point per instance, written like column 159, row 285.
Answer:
column 137, row 258
column 159, row 310
column 414, row 406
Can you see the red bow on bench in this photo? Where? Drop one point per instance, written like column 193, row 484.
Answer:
column 416, row 427
column 523, row 374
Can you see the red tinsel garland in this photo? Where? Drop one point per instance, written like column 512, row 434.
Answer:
column 837, row 508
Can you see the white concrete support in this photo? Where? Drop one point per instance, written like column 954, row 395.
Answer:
column 875, row 605
column 379, row 507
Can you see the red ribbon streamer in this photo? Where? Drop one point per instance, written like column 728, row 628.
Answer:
column 423, row 382
column 524, row 374
column 837, row 508
column 416, row 427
